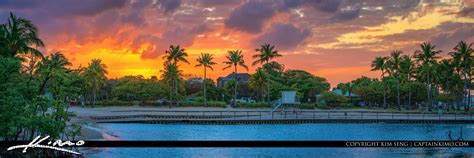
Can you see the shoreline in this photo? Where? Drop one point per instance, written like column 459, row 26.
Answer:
column 88, row 133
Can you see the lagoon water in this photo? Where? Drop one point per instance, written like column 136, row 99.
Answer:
column 329, row 131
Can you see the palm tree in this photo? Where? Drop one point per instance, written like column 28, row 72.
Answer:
column 266, row 54
column 426, row 58
column 407, row 70
column 393, row 66
column 464, row 61
column 205, row 60
column 380, row 63
column 50, row 66
column 447, row 76
column 19, row 36
column 94, row 74
column 174, row 55
column 170, row 73
column 258, row 81
column 235, row 58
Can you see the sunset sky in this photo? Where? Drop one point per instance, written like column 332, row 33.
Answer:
column 335, row 39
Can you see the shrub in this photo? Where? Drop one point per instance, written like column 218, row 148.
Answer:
column 322, row 106
column 220, row 104
column 333, row 100
column 306, row 106
column 114, row 103
column 253, row 105
column 347, row 105
column 446, row 98
column 153, row 103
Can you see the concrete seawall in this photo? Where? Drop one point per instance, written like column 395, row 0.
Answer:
column 154, row 115
column 289, row 121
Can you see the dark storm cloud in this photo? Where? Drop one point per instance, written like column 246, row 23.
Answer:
column 250, row 17
column 285, row 5
column 64, row 7
column 284, row 36
column 169, row 5
column 329, row 6
column 19, row 4
column 210, row 3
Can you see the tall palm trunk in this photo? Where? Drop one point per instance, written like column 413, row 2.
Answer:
column 448, row 93
column 262, row 98
column 409, row 94
column 94, row 87
column 204, row 82
column 171, row 92
column 467, row 93
column 429, row 92
column 398, row 95
column 268, row 86
column 384, row 92
column 176, row 90
column 234, row 102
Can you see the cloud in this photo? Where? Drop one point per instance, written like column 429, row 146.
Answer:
column 329, row 6
column 345, row 15
column 169, row 5
column 250, row 17
column 285, row 5
column 467, row 11
column 153, row 46
column 19, row 4
column 283, row 36
column 327, row 34
column 210, row 3
column 447, row 40
column 64, row 7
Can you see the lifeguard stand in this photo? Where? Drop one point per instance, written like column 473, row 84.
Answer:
column 288, row 99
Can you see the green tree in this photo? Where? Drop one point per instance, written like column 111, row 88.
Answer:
column 393, row 66
column 205, row 60
column 305, row 83
column 407, row 70
column 174, row 55
column 95, row 77
column 19, row 36
column 52, row 68
column 369, row 90
column 380, row 63
column 266, row 54
column 170, row 75
column 447, row 79
column 464, row 61
column 427, row 60
column 137, row 88
column 26, row 110
column 258, row 81
column 334, row 100
column 235, row 58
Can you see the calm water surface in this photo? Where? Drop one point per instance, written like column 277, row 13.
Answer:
column 330, row 131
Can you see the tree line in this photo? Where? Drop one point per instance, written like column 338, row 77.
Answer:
column 423, row 78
